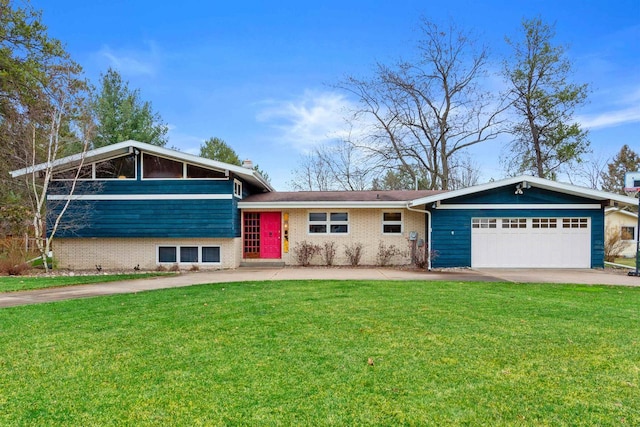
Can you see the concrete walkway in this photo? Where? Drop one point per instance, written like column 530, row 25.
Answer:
column 10, row 299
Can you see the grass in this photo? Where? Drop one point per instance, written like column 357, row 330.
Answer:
column 631, row 262
column 296, row 353
column 24, row 283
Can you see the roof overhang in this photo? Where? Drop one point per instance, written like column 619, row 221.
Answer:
column 587, row 193
column 126, row 147
column 323, row 205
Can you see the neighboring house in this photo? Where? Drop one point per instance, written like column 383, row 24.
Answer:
column 625, row 222
column 138, row 204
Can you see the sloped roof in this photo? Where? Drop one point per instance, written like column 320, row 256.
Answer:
column 331, row 199
column 125, row 147
column 588, row 193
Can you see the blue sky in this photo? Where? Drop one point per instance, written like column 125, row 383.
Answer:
column 259, row 74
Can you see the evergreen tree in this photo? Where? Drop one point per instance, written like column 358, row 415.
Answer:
column 121, row 115
column 613, row 177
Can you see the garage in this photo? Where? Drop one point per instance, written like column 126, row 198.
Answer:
column 531, row 242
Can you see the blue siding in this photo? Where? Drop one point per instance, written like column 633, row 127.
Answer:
column 506, row 195
column 451, row 229
column 152, row 186
column 148, row 218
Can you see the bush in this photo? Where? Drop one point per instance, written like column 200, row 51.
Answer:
column 305, row 251
column 329, row 252
column 386, row 253
column 175, row 267
column 354, row 253
column 420, row 258
column 614, row 243
column 12, row 258
column 161, row 268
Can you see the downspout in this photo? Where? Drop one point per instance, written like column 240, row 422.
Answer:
column 428, row 233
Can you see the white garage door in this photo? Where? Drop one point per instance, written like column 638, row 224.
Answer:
column 530, row 243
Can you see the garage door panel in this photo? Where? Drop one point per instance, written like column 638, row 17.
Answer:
column 531, row 247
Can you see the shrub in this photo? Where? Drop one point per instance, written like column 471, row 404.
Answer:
column 161, row 268
column 174, row 267
column 386, row 253
column 614, row 243
column 305, row 251
column 354, row 253
column 194, row 267
column 12, row 258
column 420, row 258
column 329, row 252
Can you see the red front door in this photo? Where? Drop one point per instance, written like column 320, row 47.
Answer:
column 270, row 241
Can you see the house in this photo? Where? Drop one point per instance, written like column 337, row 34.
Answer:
column 625, row 222
column 139, row 204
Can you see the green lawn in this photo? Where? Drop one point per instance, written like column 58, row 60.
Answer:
column 23, row 283
column 296, row 353
column 631, row 262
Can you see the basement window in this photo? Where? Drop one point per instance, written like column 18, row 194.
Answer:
column 189, row 254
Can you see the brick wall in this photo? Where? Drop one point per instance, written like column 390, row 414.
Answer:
column 365, row 226
column 125, row 253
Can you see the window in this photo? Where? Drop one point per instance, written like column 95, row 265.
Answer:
column 70, row 174
column 118, row 168
column 251, row 235
column 201, row 173
column 483, row 223
column 574, row 223
column 167, row 254
column 237, row 188
column 392, row 222
column 544, row 223
column 210, row 254
column 159, row 167
column 189, row 254
column 332, row 222
column 628, row 233
column 514, row 223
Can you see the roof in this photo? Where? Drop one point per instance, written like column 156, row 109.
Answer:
column 125, row 147
column 612, row 210
column 333, row 199
column 588, row 193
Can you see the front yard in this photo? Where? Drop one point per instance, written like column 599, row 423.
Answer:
column 327, row 353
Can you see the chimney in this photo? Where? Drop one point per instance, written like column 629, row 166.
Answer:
column 247, row 164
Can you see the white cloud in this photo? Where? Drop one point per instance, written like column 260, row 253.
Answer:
column 311, row 119
column 132, row 62
column 624, row 110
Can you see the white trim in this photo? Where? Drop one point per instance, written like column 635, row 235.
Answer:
column 532, row 181
column 114, row 150
column 237, row 188
column 322, row 205
column 400, row 223
column 328, row 223
column 525, row 206
column 140, row 197
column 178, row 249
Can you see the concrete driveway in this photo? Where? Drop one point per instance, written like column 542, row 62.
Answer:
column 10, row 299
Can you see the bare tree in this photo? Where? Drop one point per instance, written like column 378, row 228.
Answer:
column 310, row 175
column 338, row 166
column 46, row 223
column 425, row 112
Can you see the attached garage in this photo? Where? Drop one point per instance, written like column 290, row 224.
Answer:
column 519, row 222
column 530, row 243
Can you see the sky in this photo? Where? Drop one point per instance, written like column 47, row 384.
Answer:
column 261, row 75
